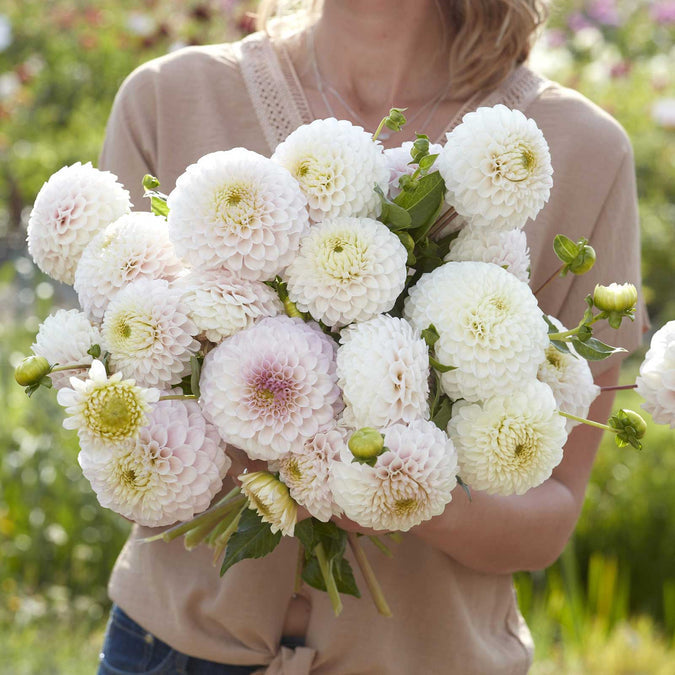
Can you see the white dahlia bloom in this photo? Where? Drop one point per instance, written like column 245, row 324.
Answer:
column 271, row 387
column 169, row 472
column 511, row 443
column 220, row 304
column 71, row 207
column 306, row 472
column 105, row 410
column 337, row 165
column 134, row 246
column 148, row 333
column 570, row 379
column 656, row 381
column 507, row 248
column 398, row 162
column 497, row 168
column 65, row 337
column 490, row 325
column 383, row 371
column 348, row 269
column 238, row 210
column 411, row 481
column 270, row 498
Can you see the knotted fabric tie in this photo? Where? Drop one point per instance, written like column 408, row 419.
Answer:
column 287, row 661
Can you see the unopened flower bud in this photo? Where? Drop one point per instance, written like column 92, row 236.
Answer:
column 630, row 428
column 31, row 370
column 150, row 182
column 271, row 499
column 366, row 443
column 615, row 297
column 584, row 261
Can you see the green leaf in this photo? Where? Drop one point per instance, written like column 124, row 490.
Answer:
column 424, row 201
column 158, row 205
column 464, row 487
column 393, row 215
column 430, row 335
column 443, row 413
column 342, row 572
column 427, row 162
column 195, row 372
column 561, row 346
column 311, row 532
column 565, row 248
column 594, row 350
column 94, row 351
column 440, row 367
column 253, row 539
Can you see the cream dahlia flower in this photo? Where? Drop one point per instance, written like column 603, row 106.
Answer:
column 237, row 210
column 271, row 387
column 64, row 338
column 169, row 472
column 270, row 498
column 134, row 246
column 306, row 472
column 570, row 379
column 348, row 269
column 398, row 162
column 656, row 381
column 511, row 443
column 70, row 209
column 411, row 481
column 220, row 304
column 496, row 167
column 148, row 333
column 507, row 248
column 383, row 371
column 491, row 328
column 337, row 166
column 105, row 410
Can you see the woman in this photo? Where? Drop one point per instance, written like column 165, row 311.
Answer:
column 449, row 583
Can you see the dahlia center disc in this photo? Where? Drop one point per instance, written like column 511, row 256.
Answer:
column 272, row 393
column 237, row 207
column 342, row 256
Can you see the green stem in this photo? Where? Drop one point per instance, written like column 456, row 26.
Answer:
column 381, row 545
column 70, row 366
column 619, row 387
column 590, row 423
column 563, row 335
column 328, row 579
column 221, row 542
column 176, row 397
column 369, row 575
column 550, row 279
column 379, row 129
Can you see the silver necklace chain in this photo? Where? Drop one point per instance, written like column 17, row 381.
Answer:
column 324, row 87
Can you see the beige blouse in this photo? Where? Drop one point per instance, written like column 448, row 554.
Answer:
column 447, row 618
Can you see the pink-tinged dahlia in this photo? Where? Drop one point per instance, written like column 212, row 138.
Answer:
column 411, row 481
column 348, row 269
column 148, row 333
column 270, row 498
column 490, row 325
column 383, row 371
column 306, row 472
column 64, row 338
column 237, row 210
column 105, row 410
column 337, row 166
column 509, row 444
column 507, row 248
column 656, row 382
column 169, row 472
column 497, row 168
column 220, row 304
column 271, row 387
column 398, row 163
column 133, row 247
column 70, row 209
column 570, row 379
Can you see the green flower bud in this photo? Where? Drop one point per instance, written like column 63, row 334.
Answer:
column 291, row 309
column 150, row 182
column 366, row 443
column 630, row 428
column 584, row 260
column 615, row 297
column 31, row 370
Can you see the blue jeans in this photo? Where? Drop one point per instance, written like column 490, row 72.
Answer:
column 129, row 648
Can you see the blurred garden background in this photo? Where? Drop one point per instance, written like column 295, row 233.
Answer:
column 608, row 606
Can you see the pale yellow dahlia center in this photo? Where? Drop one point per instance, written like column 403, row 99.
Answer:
column 131, row 332
column 314, row 176
column 237, row 207
column 342, row 256
column 482, row 321
column 114, row 411
column 515, row 164
column 518, row 443
column 555, row 358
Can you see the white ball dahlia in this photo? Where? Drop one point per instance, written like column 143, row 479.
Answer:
column 491, row 328
column 271, row 387
column 65, row 337
column 411, row 481
column 148, row 333
column 169, row 472
column 570, row 379
column 220, row 304
column 270, row 498
column 383, row 371
column 238, row 210
column 306, row 472
column 398, row 162
column 105, row 410
column 507, row 248
column 71, row 207
column 135, row 246
column 497, row 168
column 348, row 269
column 337, row 166
column 511, row 443
column 656, row 381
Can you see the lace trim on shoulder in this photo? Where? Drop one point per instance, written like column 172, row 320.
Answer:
column 279, row 107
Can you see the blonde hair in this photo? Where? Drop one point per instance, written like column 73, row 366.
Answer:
column 487, row 37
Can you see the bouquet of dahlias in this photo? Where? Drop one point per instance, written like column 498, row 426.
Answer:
column 323, row 311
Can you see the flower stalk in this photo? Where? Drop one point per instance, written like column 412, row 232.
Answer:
column 369, row 575
column 328, row 578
